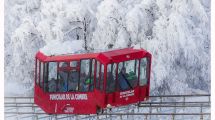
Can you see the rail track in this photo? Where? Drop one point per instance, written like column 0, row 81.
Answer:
column 175, row 107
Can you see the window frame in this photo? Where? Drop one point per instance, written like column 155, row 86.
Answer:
column 41, row 74
column 45, row 76
column 112, row 72
column 147, row 72
column 102, row 84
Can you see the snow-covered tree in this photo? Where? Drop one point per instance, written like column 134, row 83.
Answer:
column 66, row 20
column 26, row 43
column 180, row 55
column 109, row 17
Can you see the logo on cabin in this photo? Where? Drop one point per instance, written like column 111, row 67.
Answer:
column 127, row 56
column 126, row 94
column 68, row 97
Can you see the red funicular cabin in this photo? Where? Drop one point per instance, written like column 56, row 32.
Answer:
column 87, row 83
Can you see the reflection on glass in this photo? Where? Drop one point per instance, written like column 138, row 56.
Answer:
column 143, row 72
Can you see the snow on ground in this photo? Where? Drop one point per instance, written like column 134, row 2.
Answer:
column 129, row 109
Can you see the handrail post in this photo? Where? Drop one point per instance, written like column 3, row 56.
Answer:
column 173, row 117
column 175, row 108
column 201, row 116
column 184, row 100
column 97, row 117
column 160, row 101
column 17, row 111
column 209, row 98
column 150, row 110
column 146, row 116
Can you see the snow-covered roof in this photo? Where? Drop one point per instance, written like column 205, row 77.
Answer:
column 59, row 48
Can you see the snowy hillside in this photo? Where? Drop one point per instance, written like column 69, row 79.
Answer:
column 176, row 32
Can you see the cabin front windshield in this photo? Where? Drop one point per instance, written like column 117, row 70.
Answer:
column 128, row 74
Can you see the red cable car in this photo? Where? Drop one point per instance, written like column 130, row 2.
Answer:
column 88, row 83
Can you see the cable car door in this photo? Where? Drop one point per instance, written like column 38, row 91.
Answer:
column 127, row 83
column 99, row 85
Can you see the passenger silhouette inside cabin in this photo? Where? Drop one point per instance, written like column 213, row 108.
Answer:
column 124, row 84
column 84, row 82
column 73, row 81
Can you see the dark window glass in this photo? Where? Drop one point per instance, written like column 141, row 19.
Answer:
column 62, row 81
column 91, row 85
column 102, row 77
column 143, row 71
column 52, row 76
column 41, row 74
column 45, row 77
column 73, row 80
column 69, row 77
column 97, row 74
column 37, row 72
column 85, row 78
column 63, row 75
column 93, row 65
column 111, row 78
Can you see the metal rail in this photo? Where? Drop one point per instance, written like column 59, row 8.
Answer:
column 152, row 96
column 122, row 113
column 143, row 103
column 170, row 103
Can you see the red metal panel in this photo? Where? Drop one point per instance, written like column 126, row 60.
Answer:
column 127, row 97
column 66, row 102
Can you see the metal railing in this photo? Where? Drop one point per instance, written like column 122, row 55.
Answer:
column 165, row 105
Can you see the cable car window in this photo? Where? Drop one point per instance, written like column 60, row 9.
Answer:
column 92, row 76
column 45, row 77
column 73, row 63
column 62, row 80
column 102, row 77
column 85, row 78
column 127, row 77
column 73, row 80
column 97, row 74
column 63, row 77
column 52, row 76
column 136, row 70
column 143, row 72
column 41, row 74
column 111, row 78
column 38, row 73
